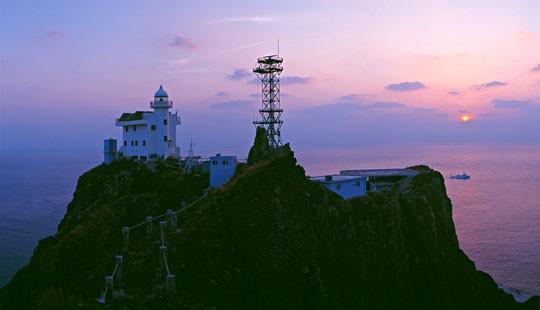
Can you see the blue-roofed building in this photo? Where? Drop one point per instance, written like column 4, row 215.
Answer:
column 347, row 187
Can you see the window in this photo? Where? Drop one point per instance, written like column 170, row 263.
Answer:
column 165, row 138
column 214, row 162
column 338, row 187
column 161, row 99
column 143, row 142
column 131, row 142
column 126, row 128
column 134, row 128
column 153, row 127
column 143, row 158
column 125, row 143
column 225, row 162
column 358, row 183
column 165, row 122
column 136, row 142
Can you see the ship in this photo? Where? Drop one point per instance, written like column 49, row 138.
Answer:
column 463, row 176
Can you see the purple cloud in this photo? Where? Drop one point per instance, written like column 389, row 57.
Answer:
column 182, row 42
column 351, row 97
column 221, row 94
column 51, row 36
column 250, row 19
column 536, row 68
column 257, row 96
column 233, row 104
column 254, row 81
column 406, row 86
column 387, row 105
column 490, row 85
column 454, row 93
column 239, row 74
column 494, row 84
column 289, row 80
column 352, row 102
column 425, row 110
column 514, row 104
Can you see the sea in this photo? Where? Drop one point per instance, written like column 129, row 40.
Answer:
column 496, row 211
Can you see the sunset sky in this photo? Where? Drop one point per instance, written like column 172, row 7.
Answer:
column 357, row 73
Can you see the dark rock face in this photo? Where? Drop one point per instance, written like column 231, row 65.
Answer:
column 269, row 239
column 262, row 151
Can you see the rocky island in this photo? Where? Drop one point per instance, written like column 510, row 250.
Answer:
column 269, row 239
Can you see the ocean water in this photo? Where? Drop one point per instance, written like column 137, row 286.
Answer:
column 496, row 212
column 34, row 192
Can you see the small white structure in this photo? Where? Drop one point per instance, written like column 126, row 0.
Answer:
column 222, row 168
column 150, row 134
column 347, row 187
column 109, row 150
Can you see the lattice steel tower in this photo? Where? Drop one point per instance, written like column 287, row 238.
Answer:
column 268, row 72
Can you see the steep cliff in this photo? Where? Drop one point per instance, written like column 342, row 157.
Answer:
column 269, row 239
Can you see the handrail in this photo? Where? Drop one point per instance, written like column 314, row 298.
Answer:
column 109, row 280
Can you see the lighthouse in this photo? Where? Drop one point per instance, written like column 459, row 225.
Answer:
column 149, row 135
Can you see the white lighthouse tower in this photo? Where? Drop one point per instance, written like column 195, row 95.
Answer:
column 149, row 135
column 167, row 129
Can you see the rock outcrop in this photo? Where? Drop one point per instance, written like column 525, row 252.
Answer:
column 269, row 239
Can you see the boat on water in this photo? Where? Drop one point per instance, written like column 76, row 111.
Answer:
column 462, row 176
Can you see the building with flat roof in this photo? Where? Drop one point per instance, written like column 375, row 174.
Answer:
column 347, row 187
column 380, row 172
column 356, row 183
column 381, row 179
column 222, row 168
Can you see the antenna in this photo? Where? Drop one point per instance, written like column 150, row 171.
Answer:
column 190, row 151
column 268, row 72
column 278, row 46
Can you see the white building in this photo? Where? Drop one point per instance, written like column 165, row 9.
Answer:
column 150, row 134
column 222, row 168
column 347, row 187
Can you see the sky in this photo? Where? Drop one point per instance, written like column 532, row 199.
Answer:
column 356, row 73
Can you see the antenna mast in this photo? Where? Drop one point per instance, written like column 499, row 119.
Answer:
column 190, row 151
column 268, row 72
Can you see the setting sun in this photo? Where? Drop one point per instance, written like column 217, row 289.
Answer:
column 465, row 118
